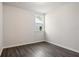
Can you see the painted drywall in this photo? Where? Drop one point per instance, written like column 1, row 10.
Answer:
column 19, row 25
column 1, row 28
column 62, row 27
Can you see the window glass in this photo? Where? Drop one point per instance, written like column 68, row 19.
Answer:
column 39, row 23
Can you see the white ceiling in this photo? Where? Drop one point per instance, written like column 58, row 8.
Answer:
column 41, row 7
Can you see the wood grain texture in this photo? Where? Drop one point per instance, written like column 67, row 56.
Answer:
column 41, row 49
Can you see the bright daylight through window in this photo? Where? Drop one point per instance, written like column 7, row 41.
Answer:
column 39, row 23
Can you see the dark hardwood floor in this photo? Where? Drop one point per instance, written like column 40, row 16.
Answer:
column 41, row 49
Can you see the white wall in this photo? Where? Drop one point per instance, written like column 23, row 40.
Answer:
column 19, row 27
column 62, row 27
column 1, row 28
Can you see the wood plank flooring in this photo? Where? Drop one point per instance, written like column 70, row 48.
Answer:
column 41, row 49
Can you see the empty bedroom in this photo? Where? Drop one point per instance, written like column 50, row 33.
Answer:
column 39, row 29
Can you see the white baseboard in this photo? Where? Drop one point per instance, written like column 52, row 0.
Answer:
column 22, row 44
column 63, row 46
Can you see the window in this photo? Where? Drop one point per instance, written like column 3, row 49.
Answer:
column 39, row 22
